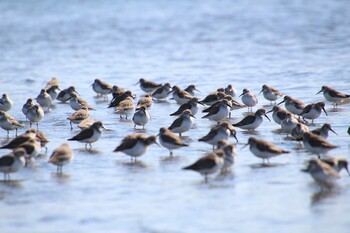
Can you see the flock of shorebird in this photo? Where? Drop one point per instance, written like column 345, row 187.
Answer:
column 294, row 121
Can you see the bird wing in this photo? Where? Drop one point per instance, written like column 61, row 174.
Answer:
column 206, row 162
column 86, row 133
column 7, row 160
column 127, row 143
column 246, row 121
column 270, row 148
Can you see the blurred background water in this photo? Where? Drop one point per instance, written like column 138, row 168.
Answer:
column 295, row 46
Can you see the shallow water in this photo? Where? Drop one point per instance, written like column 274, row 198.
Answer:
column 294, row 46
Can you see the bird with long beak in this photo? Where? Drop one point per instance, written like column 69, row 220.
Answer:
column 323, row 131
column 219, row 111
column 313, row 111
column 337, row 163
column 270, row 93
column 249, row 99
column 191, row 105
column 183, row 123
column 148, row 86
column 136, row 145
column 89, row 135
column 170, row 140
column 180, row 96
column 278, row 115
column 102, row 88
column 293, row 105
column 162, row 92
column 332, row 95
column 316, row 144
column 35, row 114
column 12, row 162
column 321, row 172
column 191, row 89
column 5, row 103
column 251, row 122
column 61, row 156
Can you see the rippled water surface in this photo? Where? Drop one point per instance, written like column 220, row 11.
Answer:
column 295, row 46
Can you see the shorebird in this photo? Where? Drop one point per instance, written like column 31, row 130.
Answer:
column 251, row 122
column 8, row 123
column 299, row 131
column 191, row 89
column 313, row 111
column 84, row 124
column 77, row 103
column 230, row 152
column 162, row 92
column 219, row 112
column 141, row 117
column 32, row 147
column 35, row 114
column 337, row 163
column 249, row 99
column 136, row 144
column 170, row 140
column 78, row 116
column 30, row 103
column 148, row 86
column 40, row 136
column 125, row 107
column 53, row 82
column 191, row 105
column 270, row 93
column 146, row 101
column 12, row 162
column 180, row 96
column 316, row 144
column 323, row 131
column 278, row 114
column 293, row 105
column 182, row 123
column 65, row 94
column 212, row 98
column 208, row 164
column 44, row 99
column 61, row 156
column 289, row 123
column 102, row 88
column 333, row 95
column 5, row 103
column 89, row 135
column 264, row 149
column 321, row 172
column 219, row 133
column 230, row 90
column 117, row 91
column 116, row 101
column 53, row 91
column 20, row 139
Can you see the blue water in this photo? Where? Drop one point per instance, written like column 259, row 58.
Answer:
column 295, row 46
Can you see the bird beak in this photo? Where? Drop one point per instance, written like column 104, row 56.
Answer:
column 267, row 117
column 281, row 102
column 241, row 95
column 346, row 168
column 269, row 111
column 325, row 111
column 236, row 138
column 333, row 131
column 137, row 83
column 157, row 144
column 245, row 146
column 198, row 90
column 192, row 116
column 261, row 91
column 200, row 103
column 305, row 170
column 319, row 92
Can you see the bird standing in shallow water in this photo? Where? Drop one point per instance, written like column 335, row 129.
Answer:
column 251, row 122
column 323, row 131
column 170, row 140
column 61, row 156
column 5, row 103
column 141, row 117
column 8, row 123
column 316, row 144
column 89, row 135
column 249, row 99
column 182, row 123
column 270, row 93
column 12, row 162
column 333, row 95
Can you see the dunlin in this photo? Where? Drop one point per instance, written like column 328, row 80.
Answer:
column 293, row 105
column 182, row 123
column 162, row 92
column 101, row 87
column 12, row 162
column 313, row 111
column 8, row 123
column 35, row 114
column 145, row 100
column 321, row 172
column 230, row 90
column 125, row 107
column 299, row 131
column 251, row 122
column 44, row 99
column 180, row 96
column 5, row 103
column 264, row 149
column 65, row 94
column 53, row 91
column 116, row 101
column 32, row 147
column 249, row 99
column 84, row 124
column 219, row 112
column 53, row 82
column 278, row 114
column 191, row 89
column 20, row 139
column 218, row 133
column 78, row 116
column 30, row 103
column 209, row 164
column 170, row 140
column 270, row 93
column 230, row 152
column 212, row 98
column 316, row 144
column 136, row 144
column 148, row 86
column 77, row 103
column 39, row 135
column 89, row 135
column 117, row 91
column 289, row 123
column 61, row 156
column 191, row 105
column 141, row 117
column 323, row 131
column 333, row 95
